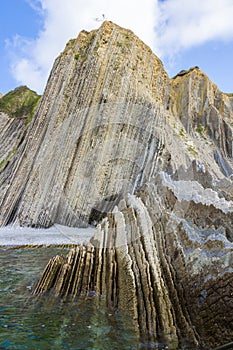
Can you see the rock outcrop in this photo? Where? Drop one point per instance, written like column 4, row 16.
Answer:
column 16, row 111
column 152, row 257
column 146, row 159
column 118, row 97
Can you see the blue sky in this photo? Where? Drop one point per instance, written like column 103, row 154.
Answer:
column 16, row 18
column 183, row 33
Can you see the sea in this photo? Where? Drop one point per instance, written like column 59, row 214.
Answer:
column 49, row 323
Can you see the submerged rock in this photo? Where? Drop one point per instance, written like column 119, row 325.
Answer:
column 148, row 160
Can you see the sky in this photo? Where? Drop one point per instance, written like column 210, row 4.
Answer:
column 182, row 33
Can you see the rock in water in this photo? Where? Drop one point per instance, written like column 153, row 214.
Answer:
column 148, row 159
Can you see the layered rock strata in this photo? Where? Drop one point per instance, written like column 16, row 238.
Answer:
column 94, row 105
column 16, row 111
column 173, row 276
column 148, row 160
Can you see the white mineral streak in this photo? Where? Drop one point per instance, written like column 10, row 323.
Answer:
column 193, row 190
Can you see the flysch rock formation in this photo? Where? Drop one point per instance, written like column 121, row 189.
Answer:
column 147, row 160
column 16, row 112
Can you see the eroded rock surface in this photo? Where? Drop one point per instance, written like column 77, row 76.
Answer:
column 146, row 159
column 152, row 258
column 16, row 111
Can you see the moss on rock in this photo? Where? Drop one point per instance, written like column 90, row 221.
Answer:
column 20, row 102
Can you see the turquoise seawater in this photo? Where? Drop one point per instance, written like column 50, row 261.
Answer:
column 51, row 324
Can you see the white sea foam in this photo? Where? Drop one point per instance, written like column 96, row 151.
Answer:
column 55, row 235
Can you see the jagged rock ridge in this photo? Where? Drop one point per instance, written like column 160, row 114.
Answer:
column 115, row 142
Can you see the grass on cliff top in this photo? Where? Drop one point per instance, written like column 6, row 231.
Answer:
column 20, row 102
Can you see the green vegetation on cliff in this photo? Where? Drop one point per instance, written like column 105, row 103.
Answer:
column 20, row 102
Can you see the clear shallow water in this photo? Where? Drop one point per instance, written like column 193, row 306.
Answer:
column 50, row 324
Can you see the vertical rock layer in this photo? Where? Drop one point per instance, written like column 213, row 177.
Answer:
column 16, row 111
column 97, row 119
column 173, row 276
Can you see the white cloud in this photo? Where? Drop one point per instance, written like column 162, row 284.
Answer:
column 183, row 24
column 168, row 26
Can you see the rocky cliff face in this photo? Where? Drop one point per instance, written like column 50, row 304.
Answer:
column 113, row 117
column 148, row 160
column 16, row 112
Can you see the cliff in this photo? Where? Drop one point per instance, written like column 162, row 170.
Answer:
column 16, row 111
column 146, row 159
